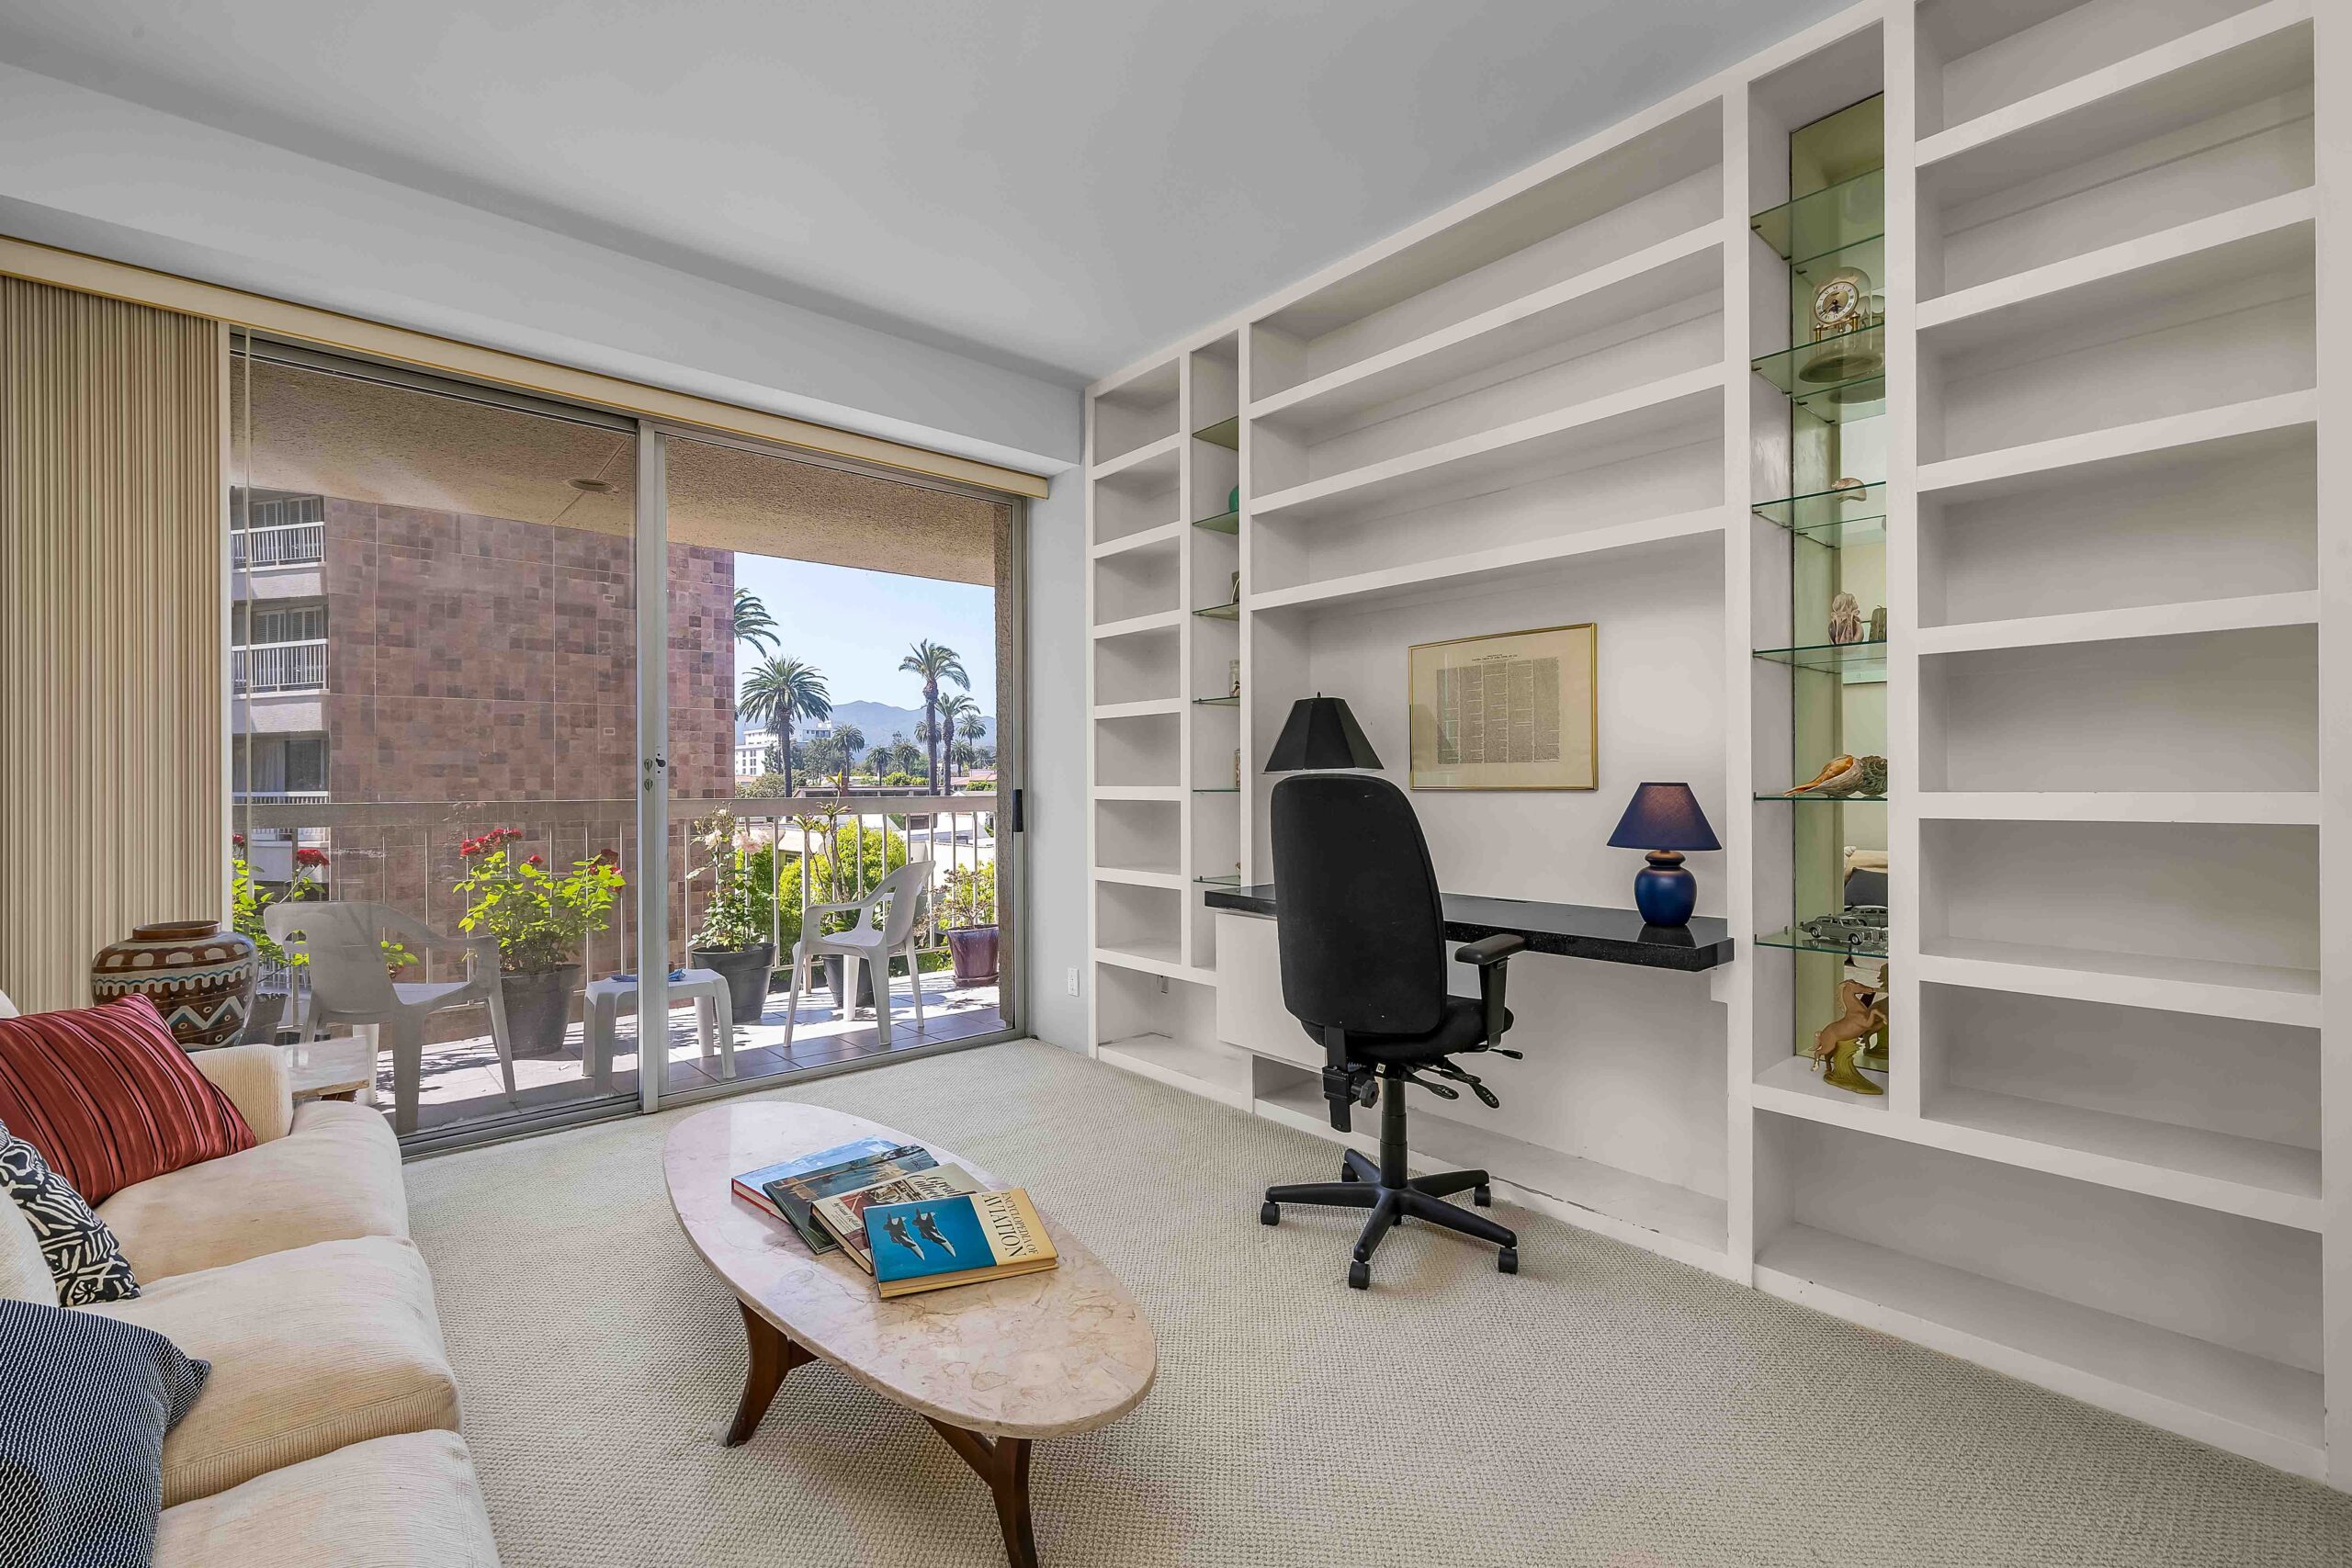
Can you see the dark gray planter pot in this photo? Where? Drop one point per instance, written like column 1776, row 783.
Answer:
column 746, row 969
column 833, row 963
column 262, row 1023
column 974, row 949
column 538, row 1005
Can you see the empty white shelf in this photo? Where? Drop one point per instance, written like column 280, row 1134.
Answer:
column 2260, row 424
column 1154, row 958
column 2277, row 1182
column 1204, row 1067
column 2216, row 988
column 1496, row 459
column 1166, row 534
column 2244, row 614
column 2261, row 53
column 1648, row 280
column 2213, row 256
column 1158, row 621
column 2265, row 1409
column 1454, row 572
column 1135, row 876
column 1143, row 709
column 1152, row 461
column 2219, row 808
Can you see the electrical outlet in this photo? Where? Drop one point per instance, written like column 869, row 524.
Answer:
column 1072, row 982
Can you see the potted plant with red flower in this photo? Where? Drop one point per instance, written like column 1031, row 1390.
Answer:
column 540, row 920
column 729, row 940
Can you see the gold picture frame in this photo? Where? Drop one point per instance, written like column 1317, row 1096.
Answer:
column 1506, row 710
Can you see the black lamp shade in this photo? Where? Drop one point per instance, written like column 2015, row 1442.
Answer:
column 1321, row 733
column 1664, row 817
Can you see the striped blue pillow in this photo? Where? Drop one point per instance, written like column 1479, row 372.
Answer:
column 84, row 1402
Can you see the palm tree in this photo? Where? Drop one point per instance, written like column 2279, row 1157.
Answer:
column 934, row 662
column 956, row 708
column 780, row 690
column 753, row 623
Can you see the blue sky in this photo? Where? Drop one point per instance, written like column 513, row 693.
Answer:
column 856, row 625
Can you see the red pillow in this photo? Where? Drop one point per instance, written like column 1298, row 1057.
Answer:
column 109, row 1098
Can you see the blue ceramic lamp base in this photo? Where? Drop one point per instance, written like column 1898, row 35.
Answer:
column 1664, row 892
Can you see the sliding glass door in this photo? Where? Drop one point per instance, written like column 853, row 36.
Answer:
column 538, row 702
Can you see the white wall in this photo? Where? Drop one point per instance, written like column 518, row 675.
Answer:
column 90, row 172
column 1057, row 797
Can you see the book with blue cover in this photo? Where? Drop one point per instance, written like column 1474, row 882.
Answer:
column 796, row 1197
column 962, row 1239
column 751, row 1186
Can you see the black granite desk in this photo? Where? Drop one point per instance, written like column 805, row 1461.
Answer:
column 1566, row 930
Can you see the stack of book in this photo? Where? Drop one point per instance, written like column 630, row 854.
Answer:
column 910, row 1223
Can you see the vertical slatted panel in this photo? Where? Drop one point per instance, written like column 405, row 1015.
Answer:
column 112, row 721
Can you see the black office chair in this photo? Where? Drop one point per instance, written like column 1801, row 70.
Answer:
column 1363, row 968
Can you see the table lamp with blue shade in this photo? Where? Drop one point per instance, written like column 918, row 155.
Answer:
column 1665, row 820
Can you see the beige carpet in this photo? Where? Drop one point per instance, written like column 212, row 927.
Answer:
column 1606, row 1407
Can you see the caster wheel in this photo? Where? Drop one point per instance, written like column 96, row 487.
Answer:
column 1482, row 1196
column 1395, row 1218
column 1359, row 1276
column 1507, row 1260
column 1270, row 1213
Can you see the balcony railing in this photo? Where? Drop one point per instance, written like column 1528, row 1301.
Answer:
column 278, row 544
column 405, row 854
column 279, row 667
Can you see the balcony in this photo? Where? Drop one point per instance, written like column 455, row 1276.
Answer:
column 268, row 668
column 279, row 544
column 406, row 855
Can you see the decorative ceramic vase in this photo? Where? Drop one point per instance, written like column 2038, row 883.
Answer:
column 199, row 977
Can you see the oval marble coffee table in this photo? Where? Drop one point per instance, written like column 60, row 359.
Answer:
column 992, row 1367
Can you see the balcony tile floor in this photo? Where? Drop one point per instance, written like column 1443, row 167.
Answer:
column 461, row 1082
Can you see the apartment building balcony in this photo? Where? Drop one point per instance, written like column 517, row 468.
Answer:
column 273, row 669
column 278, row 545
column 405, row 854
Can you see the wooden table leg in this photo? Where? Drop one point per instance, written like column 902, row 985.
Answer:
column 1003, row 1463
column 773, row 1356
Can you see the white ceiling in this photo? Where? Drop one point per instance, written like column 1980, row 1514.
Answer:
column 1061, row 185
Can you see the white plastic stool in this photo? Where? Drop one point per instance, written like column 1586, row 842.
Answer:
column 714, row 1015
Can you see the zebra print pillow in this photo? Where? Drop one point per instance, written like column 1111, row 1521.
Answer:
column 81, row 1251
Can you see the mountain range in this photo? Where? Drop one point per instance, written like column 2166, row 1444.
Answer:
column 879, row 721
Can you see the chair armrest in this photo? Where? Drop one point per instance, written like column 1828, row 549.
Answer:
column 1492, row 955
column 1490, row 949
column 834, row 909
column 258, row 1080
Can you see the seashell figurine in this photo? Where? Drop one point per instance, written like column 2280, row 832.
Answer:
column 1844, row 775
column 1845, row 618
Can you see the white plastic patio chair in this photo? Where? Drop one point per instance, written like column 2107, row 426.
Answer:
column 349, row 984
column 885, row 928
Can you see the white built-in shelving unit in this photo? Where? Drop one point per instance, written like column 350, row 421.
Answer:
column 2114, row 1155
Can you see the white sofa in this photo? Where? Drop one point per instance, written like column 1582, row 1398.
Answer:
column 328, row 1433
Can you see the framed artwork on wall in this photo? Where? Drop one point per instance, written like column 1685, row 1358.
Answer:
column 1508, row 710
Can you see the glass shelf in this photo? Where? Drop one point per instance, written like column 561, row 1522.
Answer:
column 1223, row 522
column 1231, row 879
column 1216, row 789
column 1225, row 432
column 1840, row 214
column 1217, row 702
column 1220, row 612
column 1867, row 256
column 1810, row 370
column 1827, row 799
column 1847, row 402
column 1857, row 663
column 1796, row 941
column 1831, row 517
